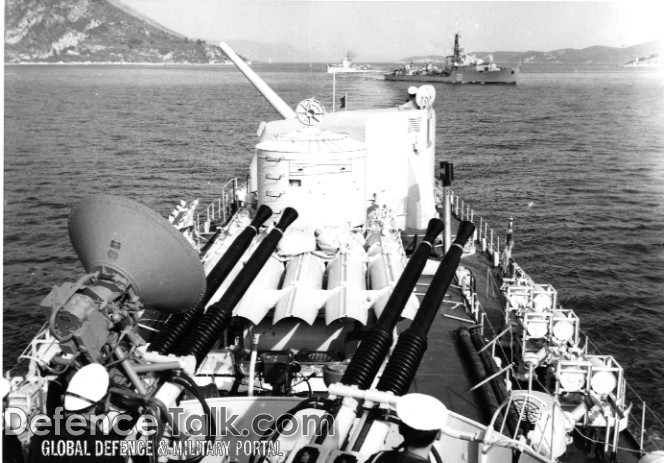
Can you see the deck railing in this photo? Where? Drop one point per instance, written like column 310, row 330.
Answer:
column 219, row 211
column 643, row 423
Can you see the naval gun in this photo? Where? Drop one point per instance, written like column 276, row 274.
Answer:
column 207, row 331
column 371, row 352
column 179, row 325
column 341, row 433
column 412, row 343
column 392, row 154
column 275, row 100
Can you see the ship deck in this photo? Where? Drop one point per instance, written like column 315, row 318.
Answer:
column 448, row 378
column 444, row 371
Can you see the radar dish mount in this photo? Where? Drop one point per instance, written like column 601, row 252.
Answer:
column 310, row 112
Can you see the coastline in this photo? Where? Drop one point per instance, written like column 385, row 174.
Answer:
column 111, row 63
column 642, row 66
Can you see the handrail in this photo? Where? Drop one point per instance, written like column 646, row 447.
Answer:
column 221, row 209
column 490, row 243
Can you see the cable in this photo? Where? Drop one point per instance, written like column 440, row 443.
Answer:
column 305, row 379
column 117, row 343
column 154, row 407
column 436, row 455
column 158, row 408
column 273, row 432
column 184, row 380
column 589, row 439
column 122, row 359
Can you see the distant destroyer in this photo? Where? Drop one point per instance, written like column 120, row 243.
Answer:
column 459, row 69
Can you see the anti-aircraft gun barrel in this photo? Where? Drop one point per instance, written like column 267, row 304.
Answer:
column 407, row 354
column 347, row 413
column 269, row 94
column 400, row 370
column 207, row 331
column 179, row 324
column 235, row 252
column 371, row 352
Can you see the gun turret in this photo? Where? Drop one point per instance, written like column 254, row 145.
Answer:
column 407, row 354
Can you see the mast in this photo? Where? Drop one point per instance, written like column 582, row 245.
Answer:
column 457, row 50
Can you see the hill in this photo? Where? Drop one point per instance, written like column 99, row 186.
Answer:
column 95, row 31
column 107, row 31
column 595, row 55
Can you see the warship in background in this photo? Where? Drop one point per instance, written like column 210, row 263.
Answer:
column 329, row 285
column 348, row 67
column 458, row 69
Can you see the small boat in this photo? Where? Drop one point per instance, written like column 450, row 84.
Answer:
column 458, row 69
column 348, row 67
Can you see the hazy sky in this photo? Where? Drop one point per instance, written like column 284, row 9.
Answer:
column 389, row 30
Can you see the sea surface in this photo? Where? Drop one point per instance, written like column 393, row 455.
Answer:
column 575, row 156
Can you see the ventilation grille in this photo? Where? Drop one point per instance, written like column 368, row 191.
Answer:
column 530, row 407
column 414, row 125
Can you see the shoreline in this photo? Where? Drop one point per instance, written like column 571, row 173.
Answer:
column 112, row 63
column 525, row 69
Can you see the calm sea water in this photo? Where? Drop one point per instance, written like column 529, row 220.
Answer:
column 576, row 158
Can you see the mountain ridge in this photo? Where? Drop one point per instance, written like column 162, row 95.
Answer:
column 108, row 31
column 94, row 31
column 596, row 54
